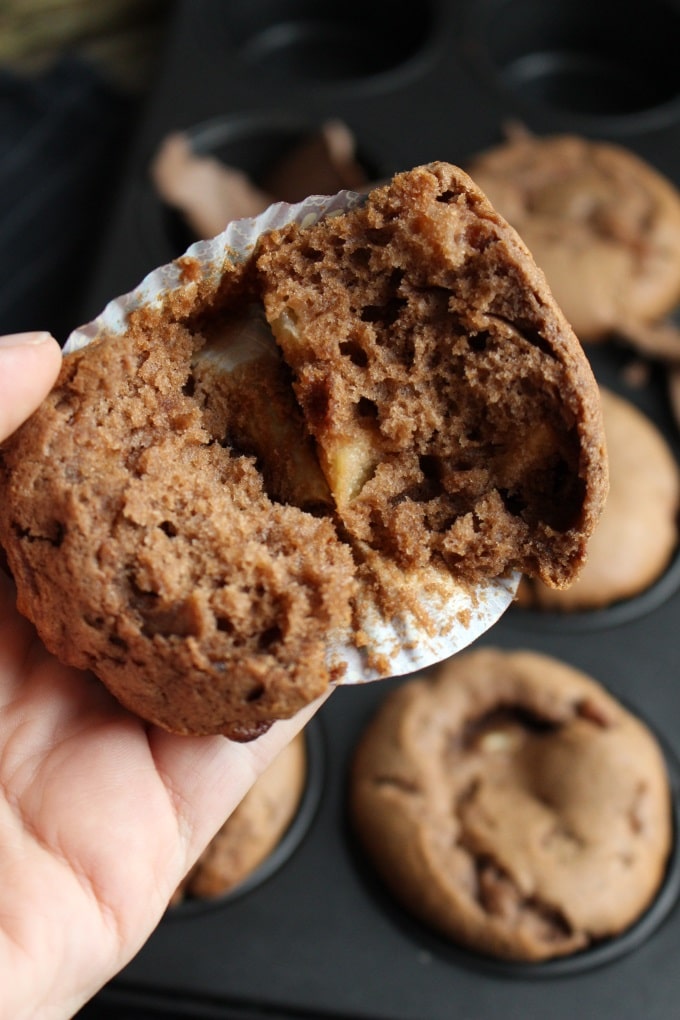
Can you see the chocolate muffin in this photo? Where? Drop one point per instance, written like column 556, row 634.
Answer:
column 252, row 831
column 512, row 805
column 602, row 223
column 637, row 534
column 449, row 421
column 453, row 411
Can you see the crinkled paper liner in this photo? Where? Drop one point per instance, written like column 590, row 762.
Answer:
column 449, row 616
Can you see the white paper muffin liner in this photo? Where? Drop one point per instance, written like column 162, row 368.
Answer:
column 449, row 616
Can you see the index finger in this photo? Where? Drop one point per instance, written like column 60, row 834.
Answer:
column 29, row 365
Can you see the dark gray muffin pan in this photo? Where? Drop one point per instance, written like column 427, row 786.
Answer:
column 313, row 934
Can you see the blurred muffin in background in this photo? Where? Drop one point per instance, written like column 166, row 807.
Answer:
column 602, row 223
column 254, row 829
column 209, row 194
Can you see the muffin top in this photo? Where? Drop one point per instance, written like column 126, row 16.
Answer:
column 602, row 223
column 512, row 804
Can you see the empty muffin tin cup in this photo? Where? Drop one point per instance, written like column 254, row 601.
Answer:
column 335, row 42
column 594, row 60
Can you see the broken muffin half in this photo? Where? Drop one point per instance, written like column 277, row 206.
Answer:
column 196, row 516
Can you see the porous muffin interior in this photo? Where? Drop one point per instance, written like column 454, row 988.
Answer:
column 453, row 413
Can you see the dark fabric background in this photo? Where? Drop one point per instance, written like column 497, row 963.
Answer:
column 63, row 137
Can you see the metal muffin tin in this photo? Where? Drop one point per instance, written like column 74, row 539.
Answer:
column 313, row 934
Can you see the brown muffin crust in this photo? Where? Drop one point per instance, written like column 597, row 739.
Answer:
column 512, row 804
column 166, row 531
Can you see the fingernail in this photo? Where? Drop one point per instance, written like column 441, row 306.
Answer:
column 25, row 339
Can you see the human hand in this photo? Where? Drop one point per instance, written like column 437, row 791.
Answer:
column 101, row 814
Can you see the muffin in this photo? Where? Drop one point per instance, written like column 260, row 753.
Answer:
column 512, row 805
column 253, row 831
column 602, row 223
column 638, row 532
column 447, row 419
column 209, row 193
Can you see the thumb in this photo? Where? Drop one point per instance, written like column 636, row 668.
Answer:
column 29, row 364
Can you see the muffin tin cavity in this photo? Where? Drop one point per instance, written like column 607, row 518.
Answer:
column 306, row 42
column 582, row 57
